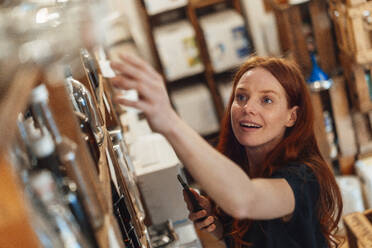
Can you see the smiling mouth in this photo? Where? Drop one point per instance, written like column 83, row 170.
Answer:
column 250, row 125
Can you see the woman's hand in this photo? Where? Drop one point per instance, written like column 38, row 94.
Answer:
column 134, row 73
column 203, row 220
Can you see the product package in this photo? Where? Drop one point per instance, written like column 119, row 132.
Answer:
column 363, row 169
column 227, row 40
column 178, row 51
column 194, row 105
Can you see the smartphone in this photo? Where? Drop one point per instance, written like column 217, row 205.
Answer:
column 195, row 204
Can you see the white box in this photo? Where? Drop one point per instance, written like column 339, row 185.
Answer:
column 363, row 169
column 351, row 193
column 178, row 51
column 194, row 105
column 226, row 37
column 157, row 6
column 156, row 167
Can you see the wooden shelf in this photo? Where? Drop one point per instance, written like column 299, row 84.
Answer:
column 15, row 101
column 204, row 3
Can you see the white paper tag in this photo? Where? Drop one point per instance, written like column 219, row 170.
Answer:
column 106, row 69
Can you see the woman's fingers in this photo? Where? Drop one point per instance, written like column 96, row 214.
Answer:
column 198, row 215
column 139, row 63
column 137, row 69
column 144, row 90
column 205, row 223
column 129, row 71
column 135, row 104
column 210, row 228
column 123, row 83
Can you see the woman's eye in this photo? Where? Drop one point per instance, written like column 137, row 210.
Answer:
column 240, row 97
column 267, row 100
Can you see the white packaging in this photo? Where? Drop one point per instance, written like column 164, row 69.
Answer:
column 226, row 37
column 195, row 106
column 136, row 126
column 178, row 51
column 351, row 193
column 188, row 238
column 364, row 171
column 156, row 167
column 157, row 6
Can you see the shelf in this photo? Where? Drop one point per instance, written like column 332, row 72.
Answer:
column 14, row 101
column 279, row 6
column 197, row 4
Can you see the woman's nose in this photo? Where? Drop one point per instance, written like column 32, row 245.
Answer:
column 250, row 107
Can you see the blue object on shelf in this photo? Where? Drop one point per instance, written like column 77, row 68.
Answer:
column 318, row 80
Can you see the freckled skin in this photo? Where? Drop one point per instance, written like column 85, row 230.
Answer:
column 260, row 99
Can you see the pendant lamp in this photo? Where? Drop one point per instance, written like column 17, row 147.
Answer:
column 318, row 80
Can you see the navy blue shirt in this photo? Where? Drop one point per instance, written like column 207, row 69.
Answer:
column 303, row 229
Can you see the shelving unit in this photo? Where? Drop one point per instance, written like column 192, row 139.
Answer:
column 191, row 11
column 14, row 213
column 293, row 40
column 85, row 172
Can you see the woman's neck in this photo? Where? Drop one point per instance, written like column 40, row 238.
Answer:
column 257, row 155
column 255, row 160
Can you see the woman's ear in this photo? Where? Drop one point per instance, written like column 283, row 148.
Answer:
column 292, row 116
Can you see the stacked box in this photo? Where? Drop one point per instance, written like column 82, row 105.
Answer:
column 156, row 168
column 194, row 105
column 178, row 51
column 226, row 38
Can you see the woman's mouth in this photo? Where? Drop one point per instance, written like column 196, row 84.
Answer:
column 250, row 125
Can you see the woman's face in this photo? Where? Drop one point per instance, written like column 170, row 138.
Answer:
column 259, row 112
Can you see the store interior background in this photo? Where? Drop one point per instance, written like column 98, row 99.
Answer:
column 342, row 47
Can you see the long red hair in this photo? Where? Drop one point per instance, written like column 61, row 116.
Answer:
column 298, row 144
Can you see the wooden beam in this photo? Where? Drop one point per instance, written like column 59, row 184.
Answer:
column 323, row 35
column 15, row 225
column 342, row 118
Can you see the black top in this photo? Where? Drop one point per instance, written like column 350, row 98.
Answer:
column 303, row 229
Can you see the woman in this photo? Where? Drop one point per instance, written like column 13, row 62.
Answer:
column 272, row 188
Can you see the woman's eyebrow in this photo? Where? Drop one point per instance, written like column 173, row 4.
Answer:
column 269, row 91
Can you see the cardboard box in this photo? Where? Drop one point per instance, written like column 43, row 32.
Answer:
column 359, row 229
column 351, row 193
column 178, row 51
column 226, row 37
column 194, row 105
column 156, row 166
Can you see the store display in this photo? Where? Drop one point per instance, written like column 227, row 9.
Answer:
column 82, row 102
column 231, row 49
column 178, row 50
column 43, row 147
column 91, row 70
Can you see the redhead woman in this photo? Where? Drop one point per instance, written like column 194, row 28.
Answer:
column 267, row 185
